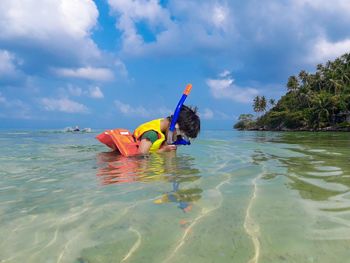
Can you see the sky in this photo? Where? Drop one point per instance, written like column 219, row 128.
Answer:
column 119, row 63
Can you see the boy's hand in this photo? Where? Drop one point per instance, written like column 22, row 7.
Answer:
column 168, row 148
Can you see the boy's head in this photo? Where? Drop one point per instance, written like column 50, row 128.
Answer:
column 188, row 121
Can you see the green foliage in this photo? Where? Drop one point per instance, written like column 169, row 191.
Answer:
column 312, row 101
column 256, row 104
column 259, row 104
column 344, row 124
column 245, row 122
column 240, row 126
column 292, row 83
column 263, row 103
column 246, row 117
column 295, row 120
column 274, row 120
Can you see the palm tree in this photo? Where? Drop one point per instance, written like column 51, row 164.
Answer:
column 263, row 104
column 256, row 104
column 303, row 76
column 321, row 106
column 319, row 67
column 292, row 84
column 337, row 85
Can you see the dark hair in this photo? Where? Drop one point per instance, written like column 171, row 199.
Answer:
column 188, row 121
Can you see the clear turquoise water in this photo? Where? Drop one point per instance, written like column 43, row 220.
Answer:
column 230, row 197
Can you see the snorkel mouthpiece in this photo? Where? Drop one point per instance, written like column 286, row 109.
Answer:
column 182, row 141
column 176, row 116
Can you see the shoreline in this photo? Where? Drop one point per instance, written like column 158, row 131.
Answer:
column 327, row 129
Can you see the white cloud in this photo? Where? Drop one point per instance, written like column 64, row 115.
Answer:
column 224, row 74
column 90, row 73
column 181, row 27
column 96, row 93
column 150, row 10
column 207, row 14
column 207, row 114
column 163, row 111
column 334, row 6
column 121, row 68
column 131, row 12
column 56, row 35
column 324, row 50
column 14, row 108
column 74, row 91
column 220, row 16
column 92, row 92
column 63, row 105
column 7, row 65
column 294, row 26
column 20, row 18
column 224, row 116
column 2, row 99
column 129, row 110
column 224, row 88
column 141, row 111
column 62, row 27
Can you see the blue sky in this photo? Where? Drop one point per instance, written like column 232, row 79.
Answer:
column 118, row 63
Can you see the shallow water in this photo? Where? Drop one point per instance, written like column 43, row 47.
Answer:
column 230, row 197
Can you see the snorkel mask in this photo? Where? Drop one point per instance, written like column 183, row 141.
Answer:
column 181, row 138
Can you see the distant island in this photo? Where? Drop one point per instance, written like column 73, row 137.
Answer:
column 313, row 102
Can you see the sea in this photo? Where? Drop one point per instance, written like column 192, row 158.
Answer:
column 231, row 196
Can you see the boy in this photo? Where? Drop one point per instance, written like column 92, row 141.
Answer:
column 153, row 135
column 160, row 135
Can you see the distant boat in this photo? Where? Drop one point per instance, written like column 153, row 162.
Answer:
column 77, row 129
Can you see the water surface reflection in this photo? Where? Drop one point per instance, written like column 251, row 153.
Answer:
column 317, row 167
column 177, row 170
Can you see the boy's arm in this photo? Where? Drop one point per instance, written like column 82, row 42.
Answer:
column 167, row 148
column 148, row 138
column 144, row 146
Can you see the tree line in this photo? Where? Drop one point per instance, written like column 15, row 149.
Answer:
column 318, row 101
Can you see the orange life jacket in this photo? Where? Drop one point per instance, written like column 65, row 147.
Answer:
column 121, row 140
column 128, row 144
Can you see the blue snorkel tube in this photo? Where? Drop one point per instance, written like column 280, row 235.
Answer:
column 176, row 116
